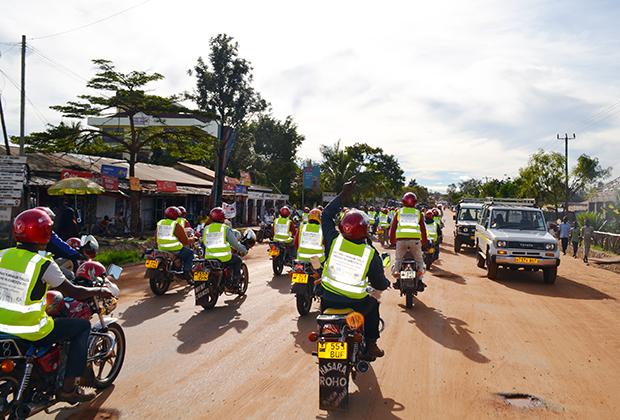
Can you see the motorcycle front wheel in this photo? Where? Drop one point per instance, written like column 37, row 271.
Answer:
column 244, row 281
column 102, row 377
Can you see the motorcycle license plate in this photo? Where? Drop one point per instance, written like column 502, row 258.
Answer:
column 201, row 276
column 525, row 260
column 274, row 252
column 332, row 350
column 300, row 278
column 407, row 275
column 431, row 250
column 151, row 264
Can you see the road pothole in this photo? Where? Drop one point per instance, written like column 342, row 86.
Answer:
column 520, row 400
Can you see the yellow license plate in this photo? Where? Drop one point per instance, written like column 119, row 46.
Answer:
column 332, row 350
column 151, row 264
column 201, row 276
column 300, row 278
column 431, row 250
column 274, row 252
column 525, row 260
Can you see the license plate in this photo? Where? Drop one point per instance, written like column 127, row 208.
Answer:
column 431, row 250
column 300, row 278
column 407, row 275
column 151, row 263
column 332, row 350
column 201, row 276
column 274, row 252
column 525, row 260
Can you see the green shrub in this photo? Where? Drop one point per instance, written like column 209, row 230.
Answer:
column 119, row 257
column 596, row 219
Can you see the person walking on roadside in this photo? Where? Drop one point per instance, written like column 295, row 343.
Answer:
column 575, row 238
column 587, row 233
column 564, row 233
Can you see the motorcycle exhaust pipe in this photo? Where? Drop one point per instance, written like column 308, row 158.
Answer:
column 363, row 366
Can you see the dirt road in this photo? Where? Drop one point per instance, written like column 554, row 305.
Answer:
column 466, row 339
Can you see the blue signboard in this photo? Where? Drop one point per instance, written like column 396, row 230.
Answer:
column 115, row 171
column 241, row 189
column 312, row 177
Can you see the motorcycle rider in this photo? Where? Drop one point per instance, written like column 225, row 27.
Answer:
column 26, row 272
column 372, row 215
column 59, row 248
column 171, row 237
column 309, row 239
column 304, row 216
column 433, row 230
column 219, row 240
column 408, row 230
column 182, row 220
column 284, row 231
column 350, row 266
column 437, row 217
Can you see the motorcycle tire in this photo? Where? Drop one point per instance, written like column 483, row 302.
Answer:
column 119, row 336
column 278, row 265
column 159, row 283
column 304, row 303
column 259, row 237
column 244, row 281
column 213, row 297
column 409, row 300
column 428, row 263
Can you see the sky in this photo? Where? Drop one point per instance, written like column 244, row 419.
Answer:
column 453, row 89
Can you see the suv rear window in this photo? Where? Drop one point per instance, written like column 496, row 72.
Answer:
column 517, row 219
column 468, row 214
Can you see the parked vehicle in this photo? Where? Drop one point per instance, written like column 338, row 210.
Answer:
column 30, row 376
column 513, row 234
column 212, row 278
column 304, row 279
column 465, row 218
column 430, row 254
column 280, row 257
column 162, row 268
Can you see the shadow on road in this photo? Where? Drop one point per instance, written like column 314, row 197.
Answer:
column 281, row 283
column 205, row 326
column 448, row 275
column 452, row 333
column 305, row 324
column 91, row 410
column 532, row 283
column 367, row 402
column 152, row 306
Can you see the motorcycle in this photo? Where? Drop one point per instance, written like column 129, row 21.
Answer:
column 212, row 278
column 409, row 282
column 280, row 257
column 265, row 232
column 303, row 285
column 162, row 268
column 30, row 376
column 430, row 255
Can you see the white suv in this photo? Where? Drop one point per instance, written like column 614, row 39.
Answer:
column 513, row 234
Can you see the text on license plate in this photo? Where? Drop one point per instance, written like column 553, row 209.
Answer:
column 332, row 350
column 151, row 263
column 525, row 260
column 407, row 274
column 201, row 275
column 300, row 278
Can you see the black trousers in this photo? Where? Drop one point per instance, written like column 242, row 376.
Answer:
column 369, row 307
column 564, row 244
column 77, row 332
column 235, row 264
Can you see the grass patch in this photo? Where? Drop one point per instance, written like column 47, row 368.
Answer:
column 119, row 257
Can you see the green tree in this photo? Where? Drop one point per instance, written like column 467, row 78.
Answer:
column 586, row 173
column 123, row 95
column 454, row 195
column 542, row 178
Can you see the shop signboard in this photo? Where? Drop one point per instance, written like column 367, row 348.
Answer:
column 5, row 214
column 115, row 171
column 109, row 183
column 166, row 186
column 230, row 210
column 70, row 173
column 245, row 178
column 134, row 184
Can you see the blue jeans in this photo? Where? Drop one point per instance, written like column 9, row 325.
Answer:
column 187, row 257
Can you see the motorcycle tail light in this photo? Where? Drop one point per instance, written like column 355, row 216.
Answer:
column 7, row 366
column 299, row 268
column 313, row 336
column 355, row 320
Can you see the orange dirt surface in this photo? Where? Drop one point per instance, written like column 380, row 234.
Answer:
column 467, row 339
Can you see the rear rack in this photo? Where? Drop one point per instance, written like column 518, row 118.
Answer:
column 515, row 202
column 471, row 200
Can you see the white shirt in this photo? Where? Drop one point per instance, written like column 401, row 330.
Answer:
column 53, row 276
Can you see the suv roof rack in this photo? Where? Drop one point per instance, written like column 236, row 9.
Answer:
column 471, row 200
column 517, row 202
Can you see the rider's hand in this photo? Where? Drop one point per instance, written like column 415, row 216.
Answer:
column 347, row 189
column 103, row 292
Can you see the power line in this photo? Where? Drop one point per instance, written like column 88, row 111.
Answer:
column 38, row 113
column 77, row 28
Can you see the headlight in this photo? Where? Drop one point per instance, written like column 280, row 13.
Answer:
column 464, row 229
column 549, row 247
column 501, row 244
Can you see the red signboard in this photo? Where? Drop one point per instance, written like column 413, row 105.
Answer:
column 228, row 187
column 70, row 173
column 110, row 183
column 166, row 186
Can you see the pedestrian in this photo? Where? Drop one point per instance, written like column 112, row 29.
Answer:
column 67, row 226
column 564, row 233
column 587, row 233
column 575, row 237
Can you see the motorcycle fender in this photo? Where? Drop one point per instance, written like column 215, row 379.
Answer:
column 107, row 320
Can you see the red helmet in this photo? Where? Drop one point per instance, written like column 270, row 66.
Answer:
column 54, row 303
column 33, row 226
column 436, row 212
column 429, row 214
column 409, row 199
column 384, row 210
column 172, row 213
column 90, row 270
column 217, row 215
column 183, row 211
column 354, row 225
column 285, row 211
column 306, row 209
column 74, row 243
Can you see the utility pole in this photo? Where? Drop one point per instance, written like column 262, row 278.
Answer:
column 566, row 139
column 5, row 134
column 22, row 112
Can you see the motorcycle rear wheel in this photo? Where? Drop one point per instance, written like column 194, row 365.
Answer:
column 160, row 283
column 304, row 303
column 278, row 265
column 116, row 359
column 409, row 300
column 8, row 394
column 213, row 296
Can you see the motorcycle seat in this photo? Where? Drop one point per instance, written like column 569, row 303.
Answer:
column 337, row 311
column 24, row 346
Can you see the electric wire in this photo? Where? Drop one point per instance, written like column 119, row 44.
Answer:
column 37, row 113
